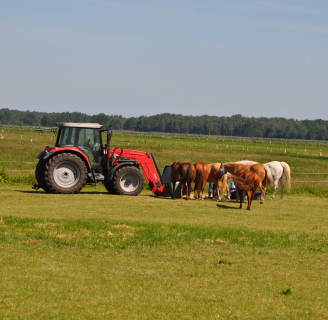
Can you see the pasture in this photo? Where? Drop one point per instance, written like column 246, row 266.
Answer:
column 20, row 146
column 101, row 256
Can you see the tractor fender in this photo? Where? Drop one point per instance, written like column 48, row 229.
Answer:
column 77, row 153
column 41, row 155
column 111, row 173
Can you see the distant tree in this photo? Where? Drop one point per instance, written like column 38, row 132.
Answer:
column 29, row 119
column 130, row 124
column 47, row 121
column 236, row 125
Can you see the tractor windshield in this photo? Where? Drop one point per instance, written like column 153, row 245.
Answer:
column 89, row 142
column 67, row 137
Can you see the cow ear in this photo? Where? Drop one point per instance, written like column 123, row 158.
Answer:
column 170, row 163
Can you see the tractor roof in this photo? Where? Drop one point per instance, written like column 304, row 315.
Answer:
column 80, row 125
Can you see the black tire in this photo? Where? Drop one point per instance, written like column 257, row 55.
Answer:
column 65, row 173
column 39, row 170
column 109, row 185
column 128, row 181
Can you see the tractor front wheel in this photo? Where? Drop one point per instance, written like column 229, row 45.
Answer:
column 65, row 173
column 128, row 181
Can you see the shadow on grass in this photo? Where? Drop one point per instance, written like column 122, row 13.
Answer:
column 34, row 192
column 43, row 192
column 169, row 198
column 223, row 206
column 164, row 198
column 98, row 192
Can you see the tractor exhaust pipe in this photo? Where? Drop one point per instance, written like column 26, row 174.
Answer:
column 109, row 137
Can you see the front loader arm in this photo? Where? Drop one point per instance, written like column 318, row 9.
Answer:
column 149, row 167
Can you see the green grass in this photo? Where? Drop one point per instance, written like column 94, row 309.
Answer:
column 118, row 235
column 98, row 256
column 150, row 283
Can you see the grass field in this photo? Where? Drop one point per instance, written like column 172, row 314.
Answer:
column 90, row 256
column 101, row 256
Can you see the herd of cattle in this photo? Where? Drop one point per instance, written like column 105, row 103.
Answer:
column 247, row 176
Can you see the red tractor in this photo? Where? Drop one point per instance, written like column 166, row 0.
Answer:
column 79, row 158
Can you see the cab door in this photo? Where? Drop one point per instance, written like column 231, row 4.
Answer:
column 89, row 142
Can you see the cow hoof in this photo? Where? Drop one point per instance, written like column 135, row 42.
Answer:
column 261, row 202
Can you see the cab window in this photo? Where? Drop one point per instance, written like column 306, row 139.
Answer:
column 67, row 137
column 89, row 143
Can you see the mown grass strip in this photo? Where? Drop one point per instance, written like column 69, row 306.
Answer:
column 114, row 234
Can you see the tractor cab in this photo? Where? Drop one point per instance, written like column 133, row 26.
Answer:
column 84, row 136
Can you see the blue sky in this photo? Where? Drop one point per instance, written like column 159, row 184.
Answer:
column 256, row 58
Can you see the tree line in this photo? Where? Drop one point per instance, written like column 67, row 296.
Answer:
column 44, row 119
column 236, row 125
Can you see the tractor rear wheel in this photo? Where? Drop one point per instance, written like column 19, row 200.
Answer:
column 39, row 170
column 65, row 173
column 128, row 181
